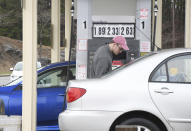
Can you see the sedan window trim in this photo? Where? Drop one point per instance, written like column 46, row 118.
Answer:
column 165, row 62
column 167, row 74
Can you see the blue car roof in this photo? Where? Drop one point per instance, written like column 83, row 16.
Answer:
column 55, row 65
column 50, row 66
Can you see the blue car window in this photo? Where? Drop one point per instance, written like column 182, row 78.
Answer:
column 55, row 78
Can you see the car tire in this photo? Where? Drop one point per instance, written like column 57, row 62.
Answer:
column 2, row 107
column 144, row 124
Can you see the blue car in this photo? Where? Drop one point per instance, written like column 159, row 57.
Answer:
column 51, row 86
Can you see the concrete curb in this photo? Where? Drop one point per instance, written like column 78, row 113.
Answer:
column 10, row 123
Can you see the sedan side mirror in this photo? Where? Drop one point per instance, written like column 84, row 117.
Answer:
column 11, row 69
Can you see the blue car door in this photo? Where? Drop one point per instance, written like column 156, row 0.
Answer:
column 51, row 86
column 15, row 101
column 49, row 104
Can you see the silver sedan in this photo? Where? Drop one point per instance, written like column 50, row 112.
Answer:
column 153, row 93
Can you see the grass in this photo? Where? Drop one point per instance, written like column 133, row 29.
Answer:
column 5, row 73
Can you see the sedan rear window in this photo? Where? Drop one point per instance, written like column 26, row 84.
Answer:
column 175, row 70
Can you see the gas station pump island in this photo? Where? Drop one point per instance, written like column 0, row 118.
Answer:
column 98, row 23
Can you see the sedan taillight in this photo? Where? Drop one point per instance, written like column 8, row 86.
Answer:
column 74, row 93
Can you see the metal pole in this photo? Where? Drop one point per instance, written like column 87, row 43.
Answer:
column 71, row 40
column 173, row 25
column 155, row 22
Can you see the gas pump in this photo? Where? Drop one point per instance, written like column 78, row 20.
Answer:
column 97, row 24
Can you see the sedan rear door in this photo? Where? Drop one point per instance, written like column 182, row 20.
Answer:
column 170, row 89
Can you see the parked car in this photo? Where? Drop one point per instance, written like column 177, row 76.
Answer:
column 152, row 92
column 17, row 71
column 51, row 85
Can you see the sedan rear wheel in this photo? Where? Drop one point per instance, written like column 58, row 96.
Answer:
column 142, row 124
column 2, row 107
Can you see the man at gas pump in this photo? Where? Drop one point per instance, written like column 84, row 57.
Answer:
column 102, row 61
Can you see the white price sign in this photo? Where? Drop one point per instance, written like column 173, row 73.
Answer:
column 111, row 30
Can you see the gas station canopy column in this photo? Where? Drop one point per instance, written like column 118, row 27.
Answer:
column 188, row 24
column 84, row 24
column 29, row 65
column 55, row 26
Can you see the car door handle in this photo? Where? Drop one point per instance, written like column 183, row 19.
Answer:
column 61, row 94
column 164, row 91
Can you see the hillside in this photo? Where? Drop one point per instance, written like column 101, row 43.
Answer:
column 11, row 53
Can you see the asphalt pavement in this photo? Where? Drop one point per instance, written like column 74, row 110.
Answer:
column 4, row 79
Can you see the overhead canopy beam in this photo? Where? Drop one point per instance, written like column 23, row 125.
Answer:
column 29, row 65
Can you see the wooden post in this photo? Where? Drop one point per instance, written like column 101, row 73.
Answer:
column 188, row 24
column 29, row 93
column 55, row 22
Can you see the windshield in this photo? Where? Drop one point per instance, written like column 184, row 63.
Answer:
column 38, row 65
column 130, row 63
column 18, row 67
column 14, row 82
